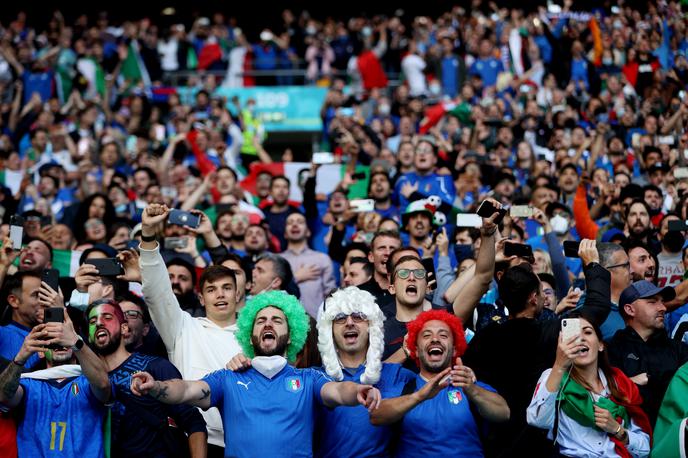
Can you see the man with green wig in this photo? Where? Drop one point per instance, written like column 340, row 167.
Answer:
column 271, row 395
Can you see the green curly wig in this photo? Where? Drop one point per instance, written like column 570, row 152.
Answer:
column 297, row 319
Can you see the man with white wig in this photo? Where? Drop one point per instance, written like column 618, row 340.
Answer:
column 351, row 343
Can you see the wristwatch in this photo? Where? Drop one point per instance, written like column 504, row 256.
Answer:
column 78, row 345
column 148, row 238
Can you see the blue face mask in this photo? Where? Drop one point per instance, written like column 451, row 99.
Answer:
column 462, row 252
column 122, row 208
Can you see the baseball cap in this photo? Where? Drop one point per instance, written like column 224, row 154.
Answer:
column 642, row 290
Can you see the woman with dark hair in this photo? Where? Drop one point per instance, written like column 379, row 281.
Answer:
column 96, row 206
column 589, row 407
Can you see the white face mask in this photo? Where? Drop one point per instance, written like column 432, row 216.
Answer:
column 269, row 366
column 560, row 225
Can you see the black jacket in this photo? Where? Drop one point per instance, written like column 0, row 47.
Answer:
column 659, row 357
column 511, row 356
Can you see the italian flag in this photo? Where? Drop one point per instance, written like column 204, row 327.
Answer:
column 670, row 430
column 66, row 261
column 327, row 179
column 133, row 69
column 12, row 179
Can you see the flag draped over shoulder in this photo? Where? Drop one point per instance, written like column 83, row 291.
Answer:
column 670, row 429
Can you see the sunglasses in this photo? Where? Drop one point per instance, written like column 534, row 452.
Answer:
column 405, row 273
column 356, row 317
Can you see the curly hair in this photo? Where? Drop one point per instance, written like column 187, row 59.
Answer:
column 297, row 320
column 454, row 323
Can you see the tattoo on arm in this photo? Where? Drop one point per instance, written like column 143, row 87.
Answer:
column 162, row 391
column 206, row 394
column 9, row 380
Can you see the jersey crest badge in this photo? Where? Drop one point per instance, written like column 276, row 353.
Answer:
column 454, row 396
column 75, row 389
column 294, row 384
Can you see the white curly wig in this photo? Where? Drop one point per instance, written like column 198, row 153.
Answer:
column 348, row 301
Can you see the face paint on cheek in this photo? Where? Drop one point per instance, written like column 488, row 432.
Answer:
column 49, row 355
column 91, row 332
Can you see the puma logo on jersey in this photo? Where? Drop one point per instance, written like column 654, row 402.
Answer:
column 245, row 385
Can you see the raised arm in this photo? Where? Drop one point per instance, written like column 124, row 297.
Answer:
column 393, row 409
column 94, row 368
column 598, row 283
column 467, row 299
column 336, row 394
column 164, row 308
column 195, row 393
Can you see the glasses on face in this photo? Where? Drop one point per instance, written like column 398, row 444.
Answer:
column 133, row 314
column 356, row 317
column 404, row 273
column 625, row 265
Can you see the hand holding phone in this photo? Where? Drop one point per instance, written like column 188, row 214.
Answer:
column 487, row 209
column 16, row 231
column 182, row 218
column 109, row 267
column 571, row 327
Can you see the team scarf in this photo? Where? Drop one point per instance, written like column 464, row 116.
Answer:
column 577, row 403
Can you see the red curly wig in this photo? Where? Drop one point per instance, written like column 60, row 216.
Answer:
column 454, row 323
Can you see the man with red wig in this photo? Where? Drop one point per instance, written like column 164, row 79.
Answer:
column 440, row 411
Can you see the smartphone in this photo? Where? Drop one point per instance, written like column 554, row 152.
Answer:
column 52, row 278
column 16, row 231
column 678, row 225
column 53, row 315
column 521, row 211
column 358, row 176
column 666, row 140
column 468, row 220
column 133, row 244
column 108, row 267
column 518, row 249
column 681, row 172
column 175, row 242
column 486, row 210
column 362, row 205
column 182, row 218
column 429, row 266
column 579, row 283
column 169, row 192
column 159, row 132
column 570, row 327
column 571, row 249
column 323, row 158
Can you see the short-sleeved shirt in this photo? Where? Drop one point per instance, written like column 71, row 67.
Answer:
column 346, row 431
column 60, row 419
column 11, row 339
column 267, row 417
column 134, row 435
column 441, row 426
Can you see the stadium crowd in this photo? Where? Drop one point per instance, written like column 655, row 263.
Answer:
column 500, row 268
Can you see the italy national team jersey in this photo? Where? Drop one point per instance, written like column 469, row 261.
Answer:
column 60, row 419
column 441, row 426
column 347, row 431
column 267, row 417
column 11, row 339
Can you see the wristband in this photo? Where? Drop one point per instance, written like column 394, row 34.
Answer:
column 617, row 430
column 148, row 238
column 15, row 362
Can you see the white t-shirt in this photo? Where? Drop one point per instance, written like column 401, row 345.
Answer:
column 671, row 269
column 413, row 65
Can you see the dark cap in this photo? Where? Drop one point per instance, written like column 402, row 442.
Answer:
column 642, row 290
